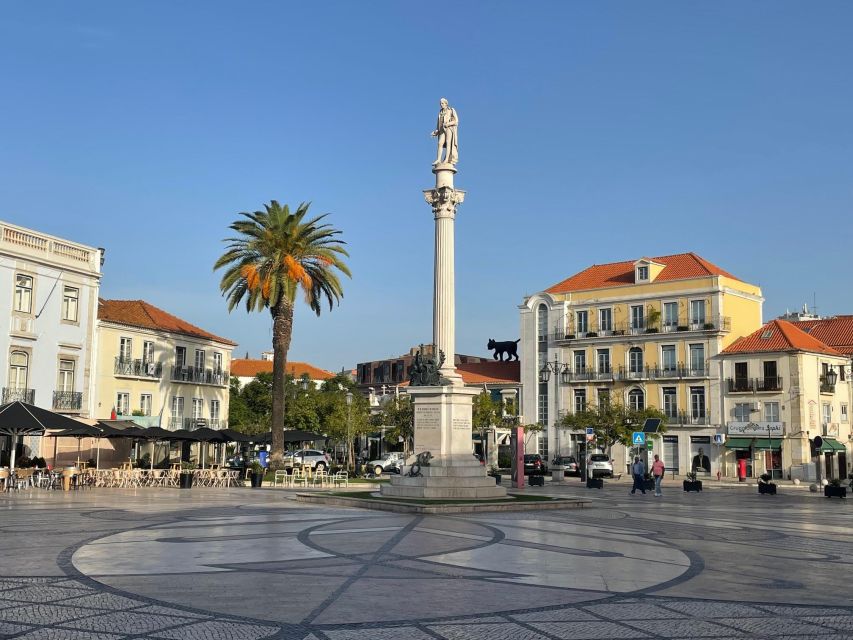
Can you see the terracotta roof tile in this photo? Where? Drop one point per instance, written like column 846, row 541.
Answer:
column 490, row 372
column 248, row 368
column 779, row 335
column 620, row 274
column 837, row 332
column 138, row 313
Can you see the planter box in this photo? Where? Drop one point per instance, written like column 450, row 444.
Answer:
column 767, row 487
column 186, row 480
column 257, row 479
column 692, row 485
column 834, row 492
column 537, row 481
column 594, row 483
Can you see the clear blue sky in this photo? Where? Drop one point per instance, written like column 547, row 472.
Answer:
column 590, row 132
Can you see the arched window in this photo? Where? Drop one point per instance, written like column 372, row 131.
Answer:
column 18, row 370
column 636, row 399
column 635, row 360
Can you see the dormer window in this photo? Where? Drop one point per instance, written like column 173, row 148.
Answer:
column 642, row 273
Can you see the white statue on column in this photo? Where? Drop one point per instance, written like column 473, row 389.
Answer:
column 447, row 133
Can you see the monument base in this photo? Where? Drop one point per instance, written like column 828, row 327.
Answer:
column 443, row 428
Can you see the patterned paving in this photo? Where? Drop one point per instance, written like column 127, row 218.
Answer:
column 172, row 566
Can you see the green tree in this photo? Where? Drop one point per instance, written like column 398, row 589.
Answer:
column 612, row 422
column 398, row 413
column 276, row 254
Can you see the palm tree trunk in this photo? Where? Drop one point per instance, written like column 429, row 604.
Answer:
column 282, row 330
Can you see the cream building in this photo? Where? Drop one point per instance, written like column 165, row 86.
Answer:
column 782, row 387
column 641, row 332
column 160, row 368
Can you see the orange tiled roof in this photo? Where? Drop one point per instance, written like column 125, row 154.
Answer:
column 680, row 266
column 837, row 332
column 779, row 335
column 490, row 372
column 248, row 368
column 138, row 313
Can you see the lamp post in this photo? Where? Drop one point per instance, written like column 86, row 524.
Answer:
column 350, row 461
column 559, row 371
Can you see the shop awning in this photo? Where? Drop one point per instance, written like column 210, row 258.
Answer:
column 763, row 444
column 831, row 444
column 739, row 443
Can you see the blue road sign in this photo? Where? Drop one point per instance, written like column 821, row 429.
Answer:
column 639, row 438
column 590, row 431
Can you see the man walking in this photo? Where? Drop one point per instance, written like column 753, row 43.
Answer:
column 658, row 469
column 638, row 470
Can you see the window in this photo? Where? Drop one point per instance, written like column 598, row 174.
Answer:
column 542, row 324
column 670, row 402
column 636, row 400
column 826, row 411
column 697, row 359
column 771, row 411
column 670, row 316
column 841, row 373
column 697, row 405
column 580, row 361
column 697, row 313
column 741, row 412
column 198, row 408
column 125, row 349
column 122, row 404
column 642, row 273
column 605, row 320
column 543, row 445
column 145, row 404
column 18, row 370
column 23, row 293
column 637, row 317
column 582, row 322
column 70, row 298
column 177, row 406
column 147, row 352
column 180, row 356
column 542, row 405
column 580, row 400
column 217, row 365
column 635, row 360
column 199, row 359
column 667, row 357
column 214, row 410
column 603, row 398
column 66, row 376
column 844, row 414
column 604, row 361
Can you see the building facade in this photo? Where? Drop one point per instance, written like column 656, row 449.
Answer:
column 156, row 366
column 49, row 291
column 639, row 332
column 782, row 387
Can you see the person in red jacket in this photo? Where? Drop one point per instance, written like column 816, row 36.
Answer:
column 658, row 469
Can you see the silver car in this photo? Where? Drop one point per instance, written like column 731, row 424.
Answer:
column 311, row 458
column 389, row 463
column 599, row 466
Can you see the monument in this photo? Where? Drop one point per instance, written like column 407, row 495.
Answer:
column 443, row 465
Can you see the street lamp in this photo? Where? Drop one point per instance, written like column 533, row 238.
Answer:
column 350, row 461
column 560, row 371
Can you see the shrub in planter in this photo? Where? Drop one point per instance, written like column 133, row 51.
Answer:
column 708, row 326
column 682, row 327
column 652, row 330
column 692, row 484
column 834, row 490
column 257, row 474
column 592, row 334
column 570, row 336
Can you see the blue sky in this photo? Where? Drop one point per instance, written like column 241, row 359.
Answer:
column 589, row 132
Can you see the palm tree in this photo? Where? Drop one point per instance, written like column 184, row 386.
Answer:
column 276, row 254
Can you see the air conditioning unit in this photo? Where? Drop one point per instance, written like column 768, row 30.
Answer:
column 755, row 406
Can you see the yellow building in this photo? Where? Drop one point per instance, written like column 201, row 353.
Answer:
column 641, row 332
column 159, row 368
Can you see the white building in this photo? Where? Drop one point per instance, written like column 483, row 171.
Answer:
column 48, row 297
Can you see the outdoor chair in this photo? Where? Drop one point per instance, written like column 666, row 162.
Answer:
column 320, row 477
column 341, row 478
column 280, row 476
column 299, row 477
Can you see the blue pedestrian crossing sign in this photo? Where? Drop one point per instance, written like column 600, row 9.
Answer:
column 639, row 438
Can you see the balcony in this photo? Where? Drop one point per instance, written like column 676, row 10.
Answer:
column 197, row 423
column 754, row 385
column 665, row 373
column 688, row 418
column 768, row 384
column 197, row 375
column 641, row 327
column 67, row 400
column 12, row 394
column 137, row 368
column 627, row 373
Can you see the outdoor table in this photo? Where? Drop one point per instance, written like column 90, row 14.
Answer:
column 67, row 474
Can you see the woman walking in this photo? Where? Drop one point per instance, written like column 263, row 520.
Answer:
column 658, row 469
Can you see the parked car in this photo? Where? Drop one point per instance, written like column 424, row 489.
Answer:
column 599, row 466
column 389, row 463
column 534, row 465
column 311, row 458
column 570, row 465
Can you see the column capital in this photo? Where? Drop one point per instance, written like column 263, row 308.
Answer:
column 444, row 200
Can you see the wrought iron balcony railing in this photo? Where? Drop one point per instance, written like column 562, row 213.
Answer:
column 138, row 368
column 199, row 375
column 67, row 400
column 13, row 394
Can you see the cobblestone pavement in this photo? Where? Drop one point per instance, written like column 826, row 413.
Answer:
column 241, row 563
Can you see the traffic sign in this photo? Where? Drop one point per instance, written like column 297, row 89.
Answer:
column 719, row 438
column 638, row 438
column 590, row 434
column 650, row 445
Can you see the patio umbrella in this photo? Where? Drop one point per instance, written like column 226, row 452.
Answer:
column 118, row 429
column 81, row 431
column 206, row 434
column 22, row 419
column 235, row 436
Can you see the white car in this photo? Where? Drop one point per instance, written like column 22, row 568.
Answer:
column 389, row 463
column 316, row 460
column 599, row 466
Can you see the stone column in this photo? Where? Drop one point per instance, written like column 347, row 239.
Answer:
column 443, row 199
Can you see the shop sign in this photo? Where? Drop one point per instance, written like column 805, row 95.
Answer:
column 755, row 429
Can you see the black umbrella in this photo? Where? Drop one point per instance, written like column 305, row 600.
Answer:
column 183, row 434
column 22, row 419
column 81, row 431
column 236, row 436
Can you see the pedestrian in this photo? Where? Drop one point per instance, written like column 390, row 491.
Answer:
column 658, row 469
column 638, row 470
